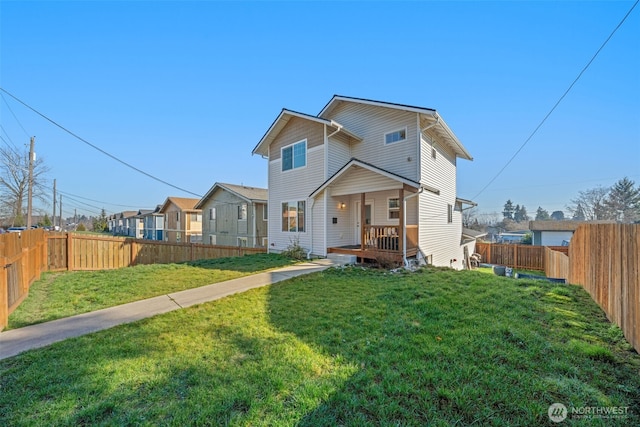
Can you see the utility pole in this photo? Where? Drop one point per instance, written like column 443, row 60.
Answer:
column 53, row 218
column 30, row 191
column 60, row 221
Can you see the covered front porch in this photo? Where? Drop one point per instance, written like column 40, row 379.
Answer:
column 371, row 213
column 382, row 242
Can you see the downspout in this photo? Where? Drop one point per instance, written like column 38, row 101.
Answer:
column 404, row 221
column 310, row 228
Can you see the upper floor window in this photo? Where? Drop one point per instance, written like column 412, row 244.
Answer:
column 294, row 156
column 449, row 213
column 242, row 211
column 212, row 214
column 395, row 136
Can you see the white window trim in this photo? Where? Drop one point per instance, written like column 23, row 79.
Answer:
column 384, row 139
column 306, row 159
column 389, row 210
column 289, row 202
column 265, row 212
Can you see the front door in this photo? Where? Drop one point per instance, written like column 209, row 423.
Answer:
column 367, row 220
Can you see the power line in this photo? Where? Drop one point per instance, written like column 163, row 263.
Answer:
column 15, row 117
column 96, row 147
column 558, row 102
column 93, row 200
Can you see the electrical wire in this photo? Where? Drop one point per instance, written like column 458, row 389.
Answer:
column 96, row 147
column 15, row 117
column 566, row 92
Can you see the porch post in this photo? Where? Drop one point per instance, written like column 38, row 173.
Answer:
column 402, row 215
column 362, row 219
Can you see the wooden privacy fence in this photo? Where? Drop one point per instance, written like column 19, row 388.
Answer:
column 22, row 259
column 24, row 256
column 516, row 256
column 605, row 260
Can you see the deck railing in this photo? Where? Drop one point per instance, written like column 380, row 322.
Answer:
column 387, row 237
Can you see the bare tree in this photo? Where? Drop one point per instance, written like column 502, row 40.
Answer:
column 592, row 204
column 14, row 183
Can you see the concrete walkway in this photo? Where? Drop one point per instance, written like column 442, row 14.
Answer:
column 16, row 341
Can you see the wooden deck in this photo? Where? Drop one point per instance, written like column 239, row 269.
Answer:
column 381, row 242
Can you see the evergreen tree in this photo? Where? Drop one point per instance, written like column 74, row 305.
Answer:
column 100, row 223
column 542, row 214
column 520, row 214
column 624, row 201
column 557, row 215
column 509, row 210
column 578, row 213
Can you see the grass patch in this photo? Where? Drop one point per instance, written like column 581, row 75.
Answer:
column 57, row 295
column 348, row 346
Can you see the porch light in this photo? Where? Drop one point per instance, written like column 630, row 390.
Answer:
column 342, row 205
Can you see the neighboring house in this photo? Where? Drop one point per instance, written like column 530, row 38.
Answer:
column 182, row 221
column 556, row 233
column 367, row 178
column 153, row 224
column 506, row 237
column 136, row 224
column 122, row 222
column 234, row 215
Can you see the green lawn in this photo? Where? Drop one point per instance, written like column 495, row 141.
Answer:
column 348, row 346
column 59, row 295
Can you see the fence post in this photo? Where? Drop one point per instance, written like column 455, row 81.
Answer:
column 70, row 265
column 4, row 291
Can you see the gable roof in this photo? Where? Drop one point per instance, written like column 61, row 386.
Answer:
column 250, row 194
column 436, row 124
column 281, row 121
column 183, row 203
column 353, row 163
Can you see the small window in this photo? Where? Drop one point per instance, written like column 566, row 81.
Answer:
column 242, row 212
column 449, row 213
column 294, row 156
column 433, row 153
column 265, row 213
column 394, row 208
column 178, row 216
column 242, row 241
column 395, row 136
column 212, row 239
column 212, row 214
column 195, row 217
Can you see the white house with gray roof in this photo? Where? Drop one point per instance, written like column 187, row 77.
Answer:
column 367, row 178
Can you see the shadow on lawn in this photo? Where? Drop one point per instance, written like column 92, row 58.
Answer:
column 440, row 348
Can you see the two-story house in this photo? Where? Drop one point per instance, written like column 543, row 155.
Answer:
column 182, row 221
column 153, row 223
column 368, row 178
column 234, row 215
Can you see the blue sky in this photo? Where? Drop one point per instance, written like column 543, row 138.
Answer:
column 185, row 90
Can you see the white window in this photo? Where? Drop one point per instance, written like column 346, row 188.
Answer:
column 265, row 212
column 242, row 241
column 394, row 208
column 449, row 213
column 242, row 212
column 212, row 239
column 293, row 216
column 294, row 155
column 395, row 136
column 265, row 241
column 212, row 214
